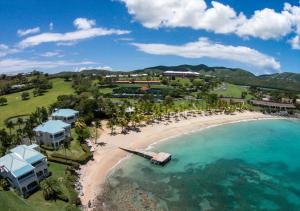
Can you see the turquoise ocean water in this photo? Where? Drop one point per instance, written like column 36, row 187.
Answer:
column 244, row 166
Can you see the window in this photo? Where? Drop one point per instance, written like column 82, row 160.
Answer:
column 58, row 135
column 40, row 173
column 37, row 163
column 31, row 173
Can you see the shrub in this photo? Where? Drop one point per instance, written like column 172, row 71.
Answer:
column 4, row 184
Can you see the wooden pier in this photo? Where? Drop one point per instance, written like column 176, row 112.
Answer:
column 160, row 158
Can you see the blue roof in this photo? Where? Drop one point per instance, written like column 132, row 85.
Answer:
column 52, row 126
column 64, row 112
column 16, row 165
column 27, row 153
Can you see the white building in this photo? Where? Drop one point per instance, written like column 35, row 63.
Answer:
column 24, row 167
column 66, row 115
column 181, row 73
column 52, row 133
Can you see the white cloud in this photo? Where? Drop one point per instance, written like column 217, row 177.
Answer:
column 266, row 24
column 295, row 42
column 51, row 26
column 96, row 68
column 206, row 48
column 6, row 50
column 83, row 23
column 24, row 65
column 218, row 18
column 84, row 31
column 52, row 54
column 24, row 32
column 185, row 13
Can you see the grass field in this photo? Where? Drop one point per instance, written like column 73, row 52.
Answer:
column 231, row 90
column 16, row 106
column 11, row 201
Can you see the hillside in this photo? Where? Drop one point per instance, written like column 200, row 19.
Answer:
column 285, row 81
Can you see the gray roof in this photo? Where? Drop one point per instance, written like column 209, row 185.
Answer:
column 27, row 153
column 65, row 112
column 52, row 126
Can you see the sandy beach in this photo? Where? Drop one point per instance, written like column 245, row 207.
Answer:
column 94, row 173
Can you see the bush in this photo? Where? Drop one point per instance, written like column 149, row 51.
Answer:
column 63, row 161
column 4, row 184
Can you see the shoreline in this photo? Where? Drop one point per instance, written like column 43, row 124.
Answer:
column 107, row 158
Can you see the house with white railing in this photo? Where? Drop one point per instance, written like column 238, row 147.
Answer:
column 23, row 167
column 67, row 115
column 52, row 133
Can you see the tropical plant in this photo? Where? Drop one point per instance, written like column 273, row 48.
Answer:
column 51, row 189
column 81, row 130
column 66, row 145
column 10, row 125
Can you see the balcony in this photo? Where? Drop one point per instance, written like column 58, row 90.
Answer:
column 29, row 177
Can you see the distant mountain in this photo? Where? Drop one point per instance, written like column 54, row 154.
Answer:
column 285, row 81
column 86, row 72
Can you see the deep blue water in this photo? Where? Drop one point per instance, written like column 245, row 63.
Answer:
column 245, row 166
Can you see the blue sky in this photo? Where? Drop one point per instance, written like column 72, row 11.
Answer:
column 262, row 36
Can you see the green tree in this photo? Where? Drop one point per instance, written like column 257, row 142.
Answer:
column 81, row 130
column 20, row 121
column 24, row 95
column 66, row 145
column 111, row 125
column 3, row 101
column 4, row 142
column 10, row 125
column 51, row 189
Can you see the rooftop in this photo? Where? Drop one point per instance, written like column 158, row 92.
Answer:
column 19, row 161
column 65, row 112
column 272, row 104
column 28, row 153
column 52, row 126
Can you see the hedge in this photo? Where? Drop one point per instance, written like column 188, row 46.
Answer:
column 63, row 161
column 84, row 158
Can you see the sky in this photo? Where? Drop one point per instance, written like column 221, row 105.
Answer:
column 262, row 36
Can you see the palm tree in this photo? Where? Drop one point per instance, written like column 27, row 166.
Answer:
column 111, row 124
column 97, row 125
column 10, row 125
column 66, row 145
column 28, row 130
column 81, row 130
column 50, row 188
column 20, row 122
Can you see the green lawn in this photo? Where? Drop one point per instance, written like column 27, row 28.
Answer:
column 16, row 106
column 231, row 90
column 11, row 201
column 74, row 151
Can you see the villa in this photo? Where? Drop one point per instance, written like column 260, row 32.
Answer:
column 52, row 133
column 66, row 115
column 23, row 168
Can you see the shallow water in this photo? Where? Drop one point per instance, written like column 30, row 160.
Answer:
column 245, row 166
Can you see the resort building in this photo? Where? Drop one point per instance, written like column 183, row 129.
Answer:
column 23, row 168
column 273, row 105
column 266, row 98
column 233, row 100
column 67, row 115
column 52, row 133
column 287, row 100
column 186, row 74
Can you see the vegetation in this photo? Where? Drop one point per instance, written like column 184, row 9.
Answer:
column 125, row 106
column 16, row 106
